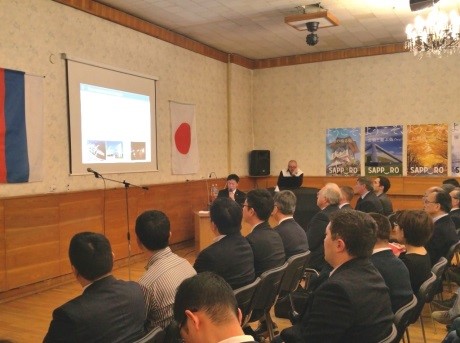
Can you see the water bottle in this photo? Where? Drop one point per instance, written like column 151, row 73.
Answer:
column 214, row 191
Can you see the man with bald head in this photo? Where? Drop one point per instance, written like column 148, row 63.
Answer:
column 290, row 178
column 328, row 199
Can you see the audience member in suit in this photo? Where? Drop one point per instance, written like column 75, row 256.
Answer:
column 293, row 235
column 381, row 186
column 290, row 178
column 455, row 210
column 412, row 229
column 206, row 310
column 266, row 243
column 231, row 190
column 367, row 201
column 108, row 310
column 393, row 270
column 230, row 256
column 353, row 304
column 327, row 200
column 164, row 270
column 437, row 204
column 346, row 196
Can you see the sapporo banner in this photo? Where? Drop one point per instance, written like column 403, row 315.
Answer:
column 342, row 152
column 455, row 149
column 427, row 150
column 383, row 150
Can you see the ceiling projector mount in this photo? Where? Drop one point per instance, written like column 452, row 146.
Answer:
column 311, row 18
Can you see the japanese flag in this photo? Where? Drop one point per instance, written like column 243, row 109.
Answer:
column 184, row 145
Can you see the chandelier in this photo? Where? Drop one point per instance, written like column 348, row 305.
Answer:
column 435, row 36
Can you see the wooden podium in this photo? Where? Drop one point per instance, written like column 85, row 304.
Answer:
column 203, row 234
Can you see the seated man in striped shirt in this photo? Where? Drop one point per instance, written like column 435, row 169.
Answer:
column 165, row 270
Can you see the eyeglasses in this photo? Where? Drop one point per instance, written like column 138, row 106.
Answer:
column 246, row 206
column 426, row 201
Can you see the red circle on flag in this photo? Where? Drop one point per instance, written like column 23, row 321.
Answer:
column 183, row 138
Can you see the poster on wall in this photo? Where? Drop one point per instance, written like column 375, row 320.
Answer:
column 383, row 150
column 427, row 150
column 342, row 152
column 455, row 149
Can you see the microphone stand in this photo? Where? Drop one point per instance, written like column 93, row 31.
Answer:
column 128, row 234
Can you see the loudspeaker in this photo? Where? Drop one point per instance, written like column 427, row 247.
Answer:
column 259, row 163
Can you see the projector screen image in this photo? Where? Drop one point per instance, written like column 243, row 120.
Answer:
column 112, row 120
column 115, row 126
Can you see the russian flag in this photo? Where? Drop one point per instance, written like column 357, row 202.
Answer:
column 21, row 112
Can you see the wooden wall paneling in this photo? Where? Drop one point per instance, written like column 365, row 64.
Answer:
column 2, row 249
column 418, row 185
column 116, row 224
column 78, row 212
column 32, row 239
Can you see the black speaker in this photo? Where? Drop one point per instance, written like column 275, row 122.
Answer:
column 259, row 163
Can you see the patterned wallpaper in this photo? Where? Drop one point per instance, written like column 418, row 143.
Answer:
column 285, row 110
column 293, row 106
column 35, row 32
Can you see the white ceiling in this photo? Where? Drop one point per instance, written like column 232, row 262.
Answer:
column 256, row 28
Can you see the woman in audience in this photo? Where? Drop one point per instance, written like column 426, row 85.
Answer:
column 413, row 229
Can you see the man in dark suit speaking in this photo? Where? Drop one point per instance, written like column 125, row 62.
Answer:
column 231, row 190
column 108, row 310
column 353, row 304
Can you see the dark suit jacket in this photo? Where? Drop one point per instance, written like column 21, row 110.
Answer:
column 455, row 216
column 240, row 196
column 109, row 310
column 231, row 257
column 267, row 246
column 386, row 204
column 316, row 231
column 346, row 207
column 353, row 305
column 396, row 277
column 443, row 237
column 370, row 203
column 293, row 236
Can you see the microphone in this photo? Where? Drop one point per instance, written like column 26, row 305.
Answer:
column 96, row 174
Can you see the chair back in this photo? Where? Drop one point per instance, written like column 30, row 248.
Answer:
column 403, row 317
column 156, row 335
column 266, row 292
column 424, row 295
column 391, row 337
column 438, row 269
column 294, row 272
column 453, row 250
column 244, row 297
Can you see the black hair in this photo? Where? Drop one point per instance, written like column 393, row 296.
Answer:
column 226, row 214
column 153, row 229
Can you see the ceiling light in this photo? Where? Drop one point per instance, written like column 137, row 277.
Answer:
column 437, row 35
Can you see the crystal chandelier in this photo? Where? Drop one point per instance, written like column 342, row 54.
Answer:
column 436, row 36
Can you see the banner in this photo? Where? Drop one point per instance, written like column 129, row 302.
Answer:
column 342, row 152
column 383, row 150
column 21, row 127
column 184, row 144
column 427, row 150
